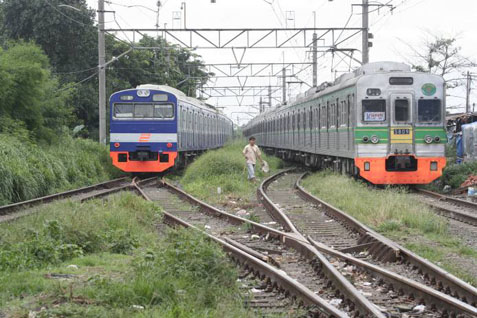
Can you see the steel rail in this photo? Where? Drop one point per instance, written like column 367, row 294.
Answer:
column 275, row 277
column 446, row 281
column 451, row 213
column 293, row 241
column 14, row 211
column 437, row 298
column 7, row 209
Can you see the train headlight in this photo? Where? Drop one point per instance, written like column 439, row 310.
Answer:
column 428, row 139
column 437, row 139
column 365, row 139
column 117, row 144
column 374, row 139
column 169, row 145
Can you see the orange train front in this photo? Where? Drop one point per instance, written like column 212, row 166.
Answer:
column 382, row 122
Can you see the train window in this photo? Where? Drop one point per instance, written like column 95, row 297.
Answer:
column 429, row 110
column 401, row 110
column 374, row 110
column 164, row 111
column 123, row 110
column 143, row 111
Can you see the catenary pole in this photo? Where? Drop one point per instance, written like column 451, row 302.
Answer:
column 365, row 45
column 102, row 73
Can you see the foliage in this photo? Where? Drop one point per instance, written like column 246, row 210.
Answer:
column 30, row 95
column 169, row 64
column 390, row 209
column 28, row 170
column 69, row 39
column 224, row 168
column 66, row 230
column 442, row 56
column 455, row 174
column 181, row 274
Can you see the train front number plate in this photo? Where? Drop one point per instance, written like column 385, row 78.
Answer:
column 401, row 131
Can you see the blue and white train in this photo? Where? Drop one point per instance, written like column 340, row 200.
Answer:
column 154, row 128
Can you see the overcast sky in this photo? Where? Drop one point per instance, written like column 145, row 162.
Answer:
column 409, row 25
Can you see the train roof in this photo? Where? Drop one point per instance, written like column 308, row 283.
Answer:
column 343, row 81
column 180, row 96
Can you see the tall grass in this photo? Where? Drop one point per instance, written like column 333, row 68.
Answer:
column 391, row 209
column 28, row 170
column 65, row 230
column 224, row 168
column 123, row 263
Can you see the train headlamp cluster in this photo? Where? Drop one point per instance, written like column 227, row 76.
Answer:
column 374, row 139
column 429, row 140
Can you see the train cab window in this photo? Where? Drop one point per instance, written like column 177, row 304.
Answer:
column 124, row 110
column 374, row 110
column 401, row 110
column 143, row 111
column 164, row 111
column 429, row 111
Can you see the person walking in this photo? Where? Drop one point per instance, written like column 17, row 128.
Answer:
column 251, row 153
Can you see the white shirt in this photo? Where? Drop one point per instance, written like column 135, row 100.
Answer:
column 251, row 153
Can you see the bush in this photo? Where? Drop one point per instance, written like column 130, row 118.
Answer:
column 455, row 174
column 28, row 171
column 224, row 168
column 187, row 275
column 66, row 230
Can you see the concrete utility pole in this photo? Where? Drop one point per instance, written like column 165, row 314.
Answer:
column 102, row 73
column 315, row 60
column 261, row 105
column 467, row 93
column 365, row 46
column 270, row 96
column 284, row 86
column 315, row 53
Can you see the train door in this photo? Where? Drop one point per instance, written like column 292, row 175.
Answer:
column 401, row 130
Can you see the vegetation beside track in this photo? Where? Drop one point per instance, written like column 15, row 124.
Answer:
column 225, row 168
column 28, row 170
column 396, row 214
column 123, row 267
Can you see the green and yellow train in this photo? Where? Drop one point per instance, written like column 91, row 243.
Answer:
column 382, row 122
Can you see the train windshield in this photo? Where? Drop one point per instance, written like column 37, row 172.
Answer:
column 401, row 110
column 429, row 111
column 374, row 110
column 144, row 111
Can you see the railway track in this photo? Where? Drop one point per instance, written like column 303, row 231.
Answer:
column 14, row 211
column 387, row 294
column 284, row 261
column 453, row 208
column 347, row 242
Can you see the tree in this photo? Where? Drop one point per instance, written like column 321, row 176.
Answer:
column 69, row 39
column 442, row 56
column 31, row 96
column 167, row 65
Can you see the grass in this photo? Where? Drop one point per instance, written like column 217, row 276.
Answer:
column 123, row 268
column 391, row 209
column 28, row 170
column 224, row 168
column 396, row 214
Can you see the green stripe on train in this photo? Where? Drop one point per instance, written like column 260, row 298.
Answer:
column 381, row 132
column 421, row 133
